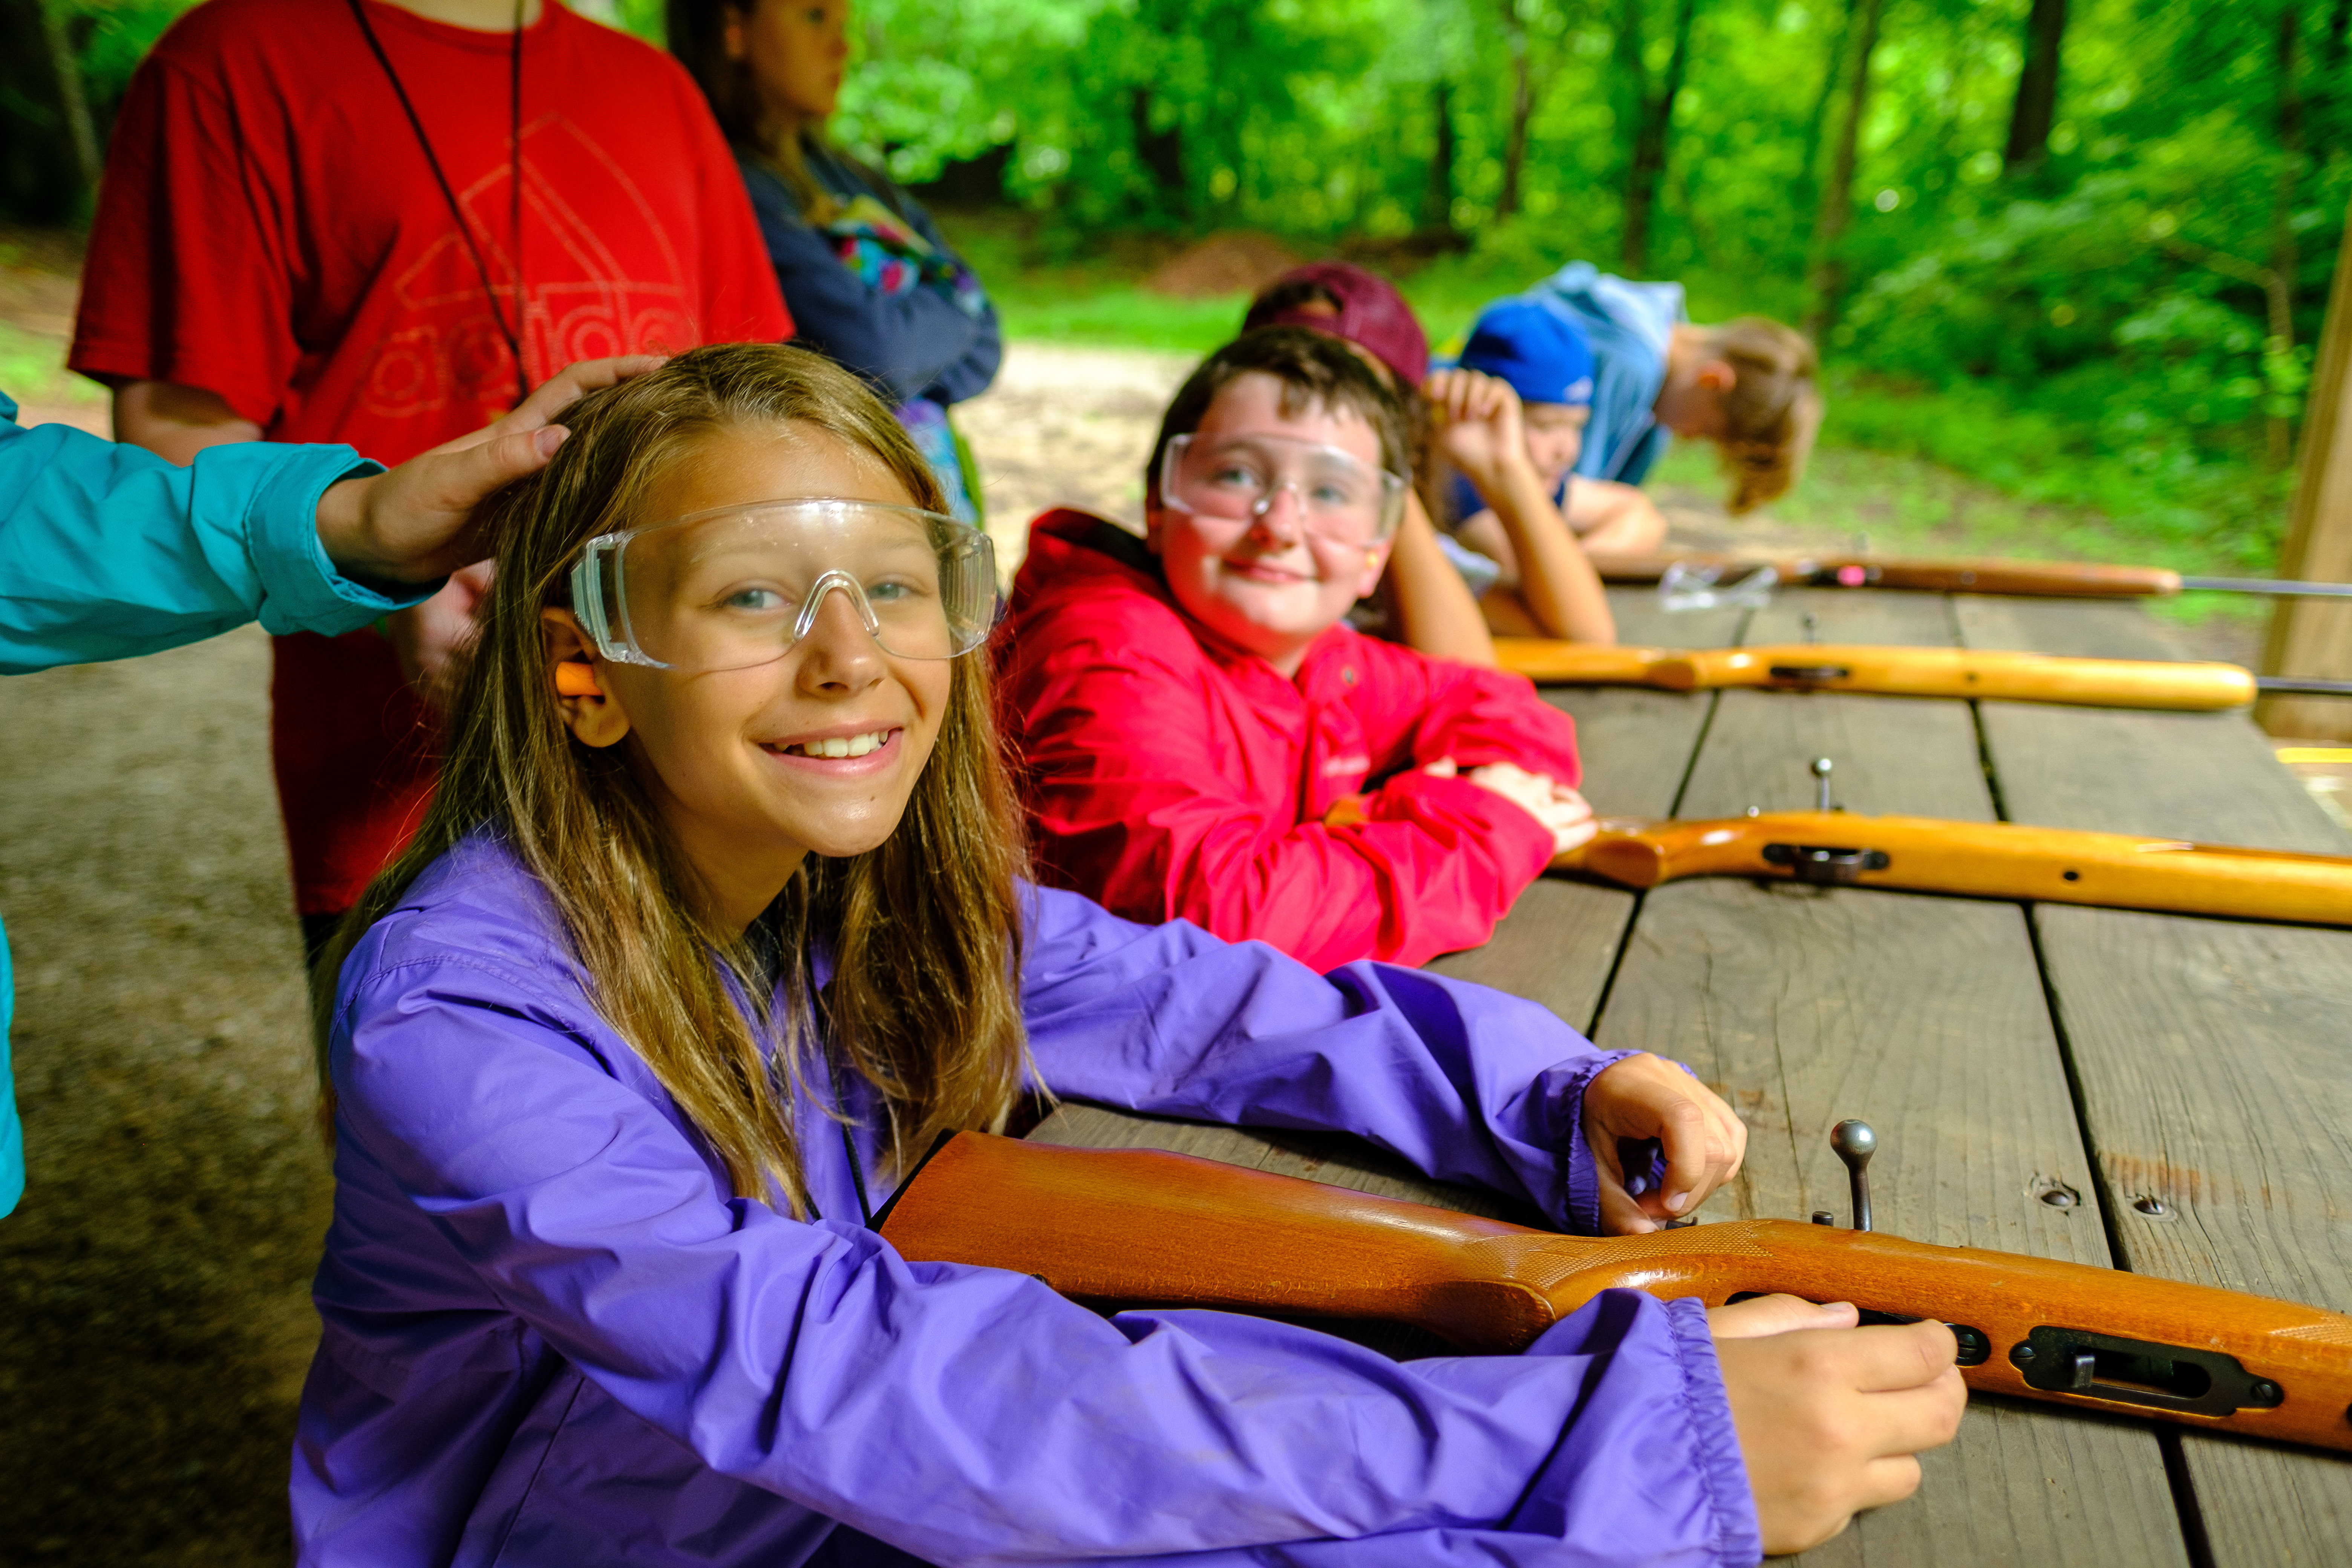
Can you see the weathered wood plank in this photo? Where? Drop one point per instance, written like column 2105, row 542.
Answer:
column 1926, row 1016
column 2211, row 1053
column 1558, row 944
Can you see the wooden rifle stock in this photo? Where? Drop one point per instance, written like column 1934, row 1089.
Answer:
column 2063, row 579
column 2058, row 579
column 1887, row 672
column 1138, row 1227
column 1979, row 860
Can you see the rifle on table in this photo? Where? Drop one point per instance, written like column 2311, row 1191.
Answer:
column 1143, row 1228
column 1907, row 672
column 2056, row 579
column 1977, row 860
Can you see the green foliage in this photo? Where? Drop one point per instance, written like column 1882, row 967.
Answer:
column 2095, row 331
column 111, row 36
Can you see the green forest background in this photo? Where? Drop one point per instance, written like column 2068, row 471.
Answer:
column 2076, row 252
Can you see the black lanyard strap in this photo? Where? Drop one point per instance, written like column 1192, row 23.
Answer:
column 513, row 335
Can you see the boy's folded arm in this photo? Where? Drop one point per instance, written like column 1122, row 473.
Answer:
column 1132, row 805
column 1416, row 709
column 971, row 1415
column 1431, row 876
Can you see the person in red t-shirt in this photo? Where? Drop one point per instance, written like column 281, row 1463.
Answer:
column 278, row 255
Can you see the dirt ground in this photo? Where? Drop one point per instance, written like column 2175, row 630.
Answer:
column 155, row 1284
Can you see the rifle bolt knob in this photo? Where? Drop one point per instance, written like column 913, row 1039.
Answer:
column 2153, row 1206
column 1855, row 1143
column 1823, row 1217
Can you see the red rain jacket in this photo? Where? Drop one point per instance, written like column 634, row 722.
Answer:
column 1172, row 775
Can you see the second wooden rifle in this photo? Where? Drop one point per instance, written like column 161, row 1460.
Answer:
column 1990, row 675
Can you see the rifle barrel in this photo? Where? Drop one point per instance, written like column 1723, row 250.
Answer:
column 2276, row 587
column 2294, row 686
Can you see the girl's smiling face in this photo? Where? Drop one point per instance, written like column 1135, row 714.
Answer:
column 735, row 759
column 1268, row 584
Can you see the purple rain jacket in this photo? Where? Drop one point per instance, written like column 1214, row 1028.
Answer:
column 553, row 1337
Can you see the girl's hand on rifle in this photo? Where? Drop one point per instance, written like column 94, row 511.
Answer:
column 1643, row 1098
column 1830, row 1416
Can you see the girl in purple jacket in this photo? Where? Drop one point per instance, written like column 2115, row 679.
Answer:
column 718, row 919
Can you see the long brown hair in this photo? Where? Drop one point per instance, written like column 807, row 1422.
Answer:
column 924, row 930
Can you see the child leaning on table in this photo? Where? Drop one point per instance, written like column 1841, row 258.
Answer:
column 1204, row 738
column 1535, row 366
column 717, row 920
column 1437, row 590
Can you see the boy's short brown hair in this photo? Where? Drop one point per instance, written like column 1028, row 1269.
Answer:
column 1317, row 371
column 1772, row 411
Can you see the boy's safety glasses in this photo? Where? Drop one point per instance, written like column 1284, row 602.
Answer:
column 736, row 587
column 1238, row 477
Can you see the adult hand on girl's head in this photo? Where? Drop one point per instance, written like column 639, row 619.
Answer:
column 1643, row 1098
column 1830, row 1416
column 1476, row 420
column 415, row 523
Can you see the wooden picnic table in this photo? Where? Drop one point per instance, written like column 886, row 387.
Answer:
column 2033, row 1072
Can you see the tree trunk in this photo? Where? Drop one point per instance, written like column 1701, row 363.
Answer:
column 1523, row 106
column 1829, row 270
column 1438, row 208
column 1809, row 170
column 1161, row 152
column 2279, row 425
column 2037, row 87
column 1647, row 167
column 49, row 154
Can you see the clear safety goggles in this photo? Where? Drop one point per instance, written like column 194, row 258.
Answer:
column 1339, row 496
column 736, row 587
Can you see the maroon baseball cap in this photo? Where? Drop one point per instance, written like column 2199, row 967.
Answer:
column 1371, row 314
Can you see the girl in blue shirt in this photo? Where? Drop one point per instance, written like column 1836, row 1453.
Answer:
column 869, row 279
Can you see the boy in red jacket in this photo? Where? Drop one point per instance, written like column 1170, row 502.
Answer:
column 1190, row 707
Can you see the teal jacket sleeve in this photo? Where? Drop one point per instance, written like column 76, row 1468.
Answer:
column 107, row 552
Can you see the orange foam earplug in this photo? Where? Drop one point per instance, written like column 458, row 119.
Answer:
column 573, row 679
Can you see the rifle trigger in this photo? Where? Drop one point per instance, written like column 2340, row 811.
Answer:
column 2085, row 1370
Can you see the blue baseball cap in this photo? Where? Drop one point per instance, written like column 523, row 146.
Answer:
column 1545, row 357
